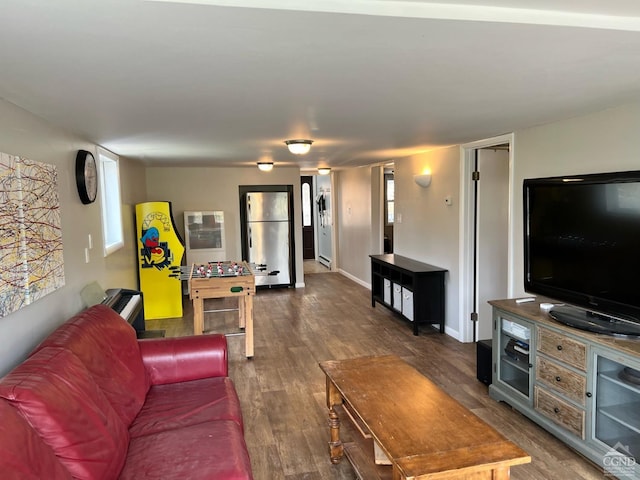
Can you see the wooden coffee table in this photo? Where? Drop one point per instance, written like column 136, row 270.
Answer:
column 409, row 428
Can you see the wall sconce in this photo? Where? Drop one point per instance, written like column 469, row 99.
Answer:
column 299, row 147
column 324, row 171
column 265, row 166
column 423, row 179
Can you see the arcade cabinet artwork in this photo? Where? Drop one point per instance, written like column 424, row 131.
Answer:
column 160, row 251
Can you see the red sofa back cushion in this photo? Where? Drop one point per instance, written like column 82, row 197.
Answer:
column 54, row 392
column 23, row 454
column 107, row 346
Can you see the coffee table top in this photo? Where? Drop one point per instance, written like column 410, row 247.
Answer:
column 419, row 427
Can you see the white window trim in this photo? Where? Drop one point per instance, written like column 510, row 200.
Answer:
column 110, row 186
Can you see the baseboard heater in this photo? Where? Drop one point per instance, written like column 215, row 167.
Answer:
column 324, row 261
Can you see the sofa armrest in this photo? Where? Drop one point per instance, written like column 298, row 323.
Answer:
column 173, row 360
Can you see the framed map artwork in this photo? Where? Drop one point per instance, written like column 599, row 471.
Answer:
column 31, row 261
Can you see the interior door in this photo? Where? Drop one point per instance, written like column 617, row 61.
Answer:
column 492, row 234
column 308, row 235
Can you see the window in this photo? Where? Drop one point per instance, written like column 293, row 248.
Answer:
column 112, row 232
column 389, row 194
column 306, row 205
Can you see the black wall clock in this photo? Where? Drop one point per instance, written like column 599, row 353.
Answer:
column 86, row 176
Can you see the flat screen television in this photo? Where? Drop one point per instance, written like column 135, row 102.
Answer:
column 582, row 247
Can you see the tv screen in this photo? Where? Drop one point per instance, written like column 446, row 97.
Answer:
column 582, row 247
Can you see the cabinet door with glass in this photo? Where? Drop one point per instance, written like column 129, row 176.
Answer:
column 513, row 356
column 204, row 236
column 616, row 413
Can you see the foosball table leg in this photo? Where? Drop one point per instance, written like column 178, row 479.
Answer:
column 198, row 316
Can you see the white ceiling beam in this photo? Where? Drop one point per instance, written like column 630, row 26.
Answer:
column 439, row 11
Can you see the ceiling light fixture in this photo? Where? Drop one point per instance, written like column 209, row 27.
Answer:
column 324, row 171
column 299, row 147
column 265, row 166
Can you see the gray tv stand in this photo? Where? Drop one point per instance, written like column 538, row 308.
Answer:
column 582, row 387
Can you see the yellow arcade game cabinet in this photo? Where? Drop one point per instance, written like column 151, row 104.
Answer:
column 160, row 251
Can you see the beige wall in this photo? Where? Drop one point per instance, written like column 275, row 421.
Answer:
column 210, row 188
column 353, row 208
column 429, row 230
column 24, row 134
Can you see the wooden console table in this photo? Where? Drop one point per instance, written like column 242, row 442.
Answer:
column 415, row 430
column 411, row 288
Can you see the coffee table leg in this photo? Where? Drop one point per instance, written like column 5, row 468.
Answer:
column 336, row 449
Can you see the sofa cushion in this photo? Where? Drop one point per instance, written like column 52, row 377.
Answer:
column 207, row 451
column 181, row 359
column 23, row 454
column 188, row 403
column 108, row 348
column 55, row 393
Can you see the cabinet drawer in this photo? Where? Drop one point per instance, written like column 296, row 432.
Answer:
column 570, row 384
column 386, row 291
column 558, row 346
column 559, row 411
column 407, row 303
column 397, row 297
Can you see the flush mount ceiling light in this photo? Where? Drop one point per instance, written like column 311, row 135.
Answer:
column 299, row 147
column 265, row 166
column 324, row 171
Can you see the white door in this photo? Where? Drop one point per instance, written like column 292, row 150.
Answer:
column 493, row 233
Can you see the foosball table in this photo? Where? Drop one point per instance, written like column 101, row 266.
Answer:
column 221, row 280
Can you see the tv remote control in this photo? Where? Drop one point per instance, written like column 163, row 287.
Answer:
column 525, row 300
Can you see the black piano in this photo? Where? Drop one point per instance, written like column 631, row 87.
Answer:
column 129, row 305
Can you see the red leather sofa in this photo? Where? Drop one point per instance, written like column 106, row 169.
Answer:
column 93, row 402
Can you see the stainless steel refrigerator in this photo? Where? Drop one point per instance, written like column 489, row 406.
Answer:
column 268, row 237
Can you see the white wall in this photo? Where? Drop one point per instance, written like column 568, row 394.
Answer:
column 24, row 134
column 211, row 188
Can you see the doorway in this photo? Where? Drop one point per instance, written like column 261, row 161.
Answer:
column 487, row 247
column 389, row 208
column 317, row 224
column 308, row 230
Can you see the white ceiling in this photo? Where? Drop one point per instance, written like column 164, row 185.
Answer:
column 226, row 82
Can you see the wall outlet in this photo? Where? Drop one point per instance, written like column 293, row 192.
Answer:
column 448, row 201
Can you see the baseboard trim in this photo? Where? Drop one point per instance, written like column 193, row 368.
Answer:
column 355, row 279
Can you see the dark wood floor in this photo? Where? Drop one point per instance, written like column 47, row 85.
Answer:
column 282, row 390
